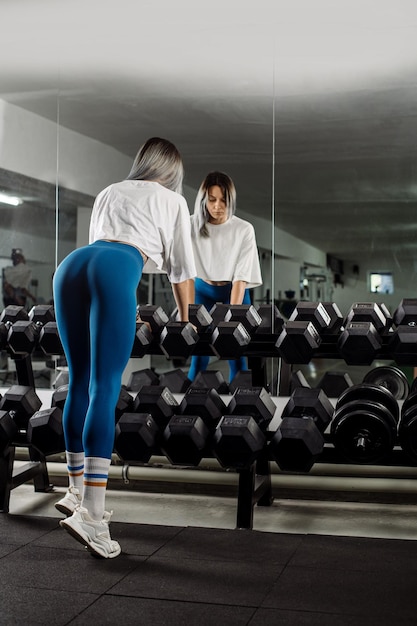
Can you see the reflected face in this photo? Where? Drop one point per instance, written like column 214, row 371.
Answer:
column 216, row 205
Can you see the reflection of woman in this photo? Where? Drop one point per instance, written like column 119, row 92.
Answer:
column 141, row 220
column 225, row 253
column 16, row 281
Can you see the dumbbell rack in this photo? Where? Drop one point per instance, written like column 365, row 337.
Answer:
column 36, row 468
column 254, row 483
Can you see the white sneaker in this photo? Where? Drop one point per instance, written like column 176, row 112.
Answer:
column 69, row 502
column 92, row 534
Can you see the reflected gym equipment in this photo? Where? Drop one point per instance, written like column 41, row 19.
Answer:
column 334, row 383
column 140, row 378
column 364, row 427
column 177, row 339
column 176, row 380
column 24, row 334
column 302, row 335
column 211, row 379
column 390, row 377
column 407, row 429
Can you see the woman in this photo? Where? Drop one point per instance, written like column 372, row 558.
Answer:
column 139, row 224
column 225, row 253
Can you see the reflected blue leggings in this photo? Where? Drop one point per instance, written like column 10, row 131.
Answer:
column 208, row 295
column 95, row 308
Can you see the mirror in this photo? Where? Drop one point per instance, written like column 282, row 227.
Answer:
column 311, row 111
column 345, row 103
column 93, row 104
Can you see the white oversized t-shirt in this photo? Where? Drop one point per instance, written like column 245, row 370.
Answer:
column 150, row 217
column 229, row 253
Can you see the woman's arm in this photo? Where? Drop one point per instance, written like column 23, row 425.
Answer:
column 184, row 296
column 238, row 292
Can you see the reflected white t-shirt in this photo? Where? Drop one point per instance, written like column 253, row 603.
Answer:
column 229, row 253
column 150, row 217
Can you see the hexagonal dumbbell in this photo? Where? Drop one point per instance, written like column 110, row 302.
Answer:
column 153, row 315
column 361, row 338
column 254, row 401
column 140, row 378
column 200, row 317
column 13, row 313
column 24, row 334
column 211, row 379
column 59, row 396
column 302, row 335
column 230, row 338
column 49, row 339
column 299, row 440
column 176, row 380
column 272, row 321
column 45, row 431
column 238, row 441
column 403, row 342
column 8, row 430
column 142, row 341
column 186, row 439
column 158, row 401
column 177, row 339
column 336, row 317
column 136, row 437
column 22, row 337
column 240, row 437
column 21, row 402
column 334, row 382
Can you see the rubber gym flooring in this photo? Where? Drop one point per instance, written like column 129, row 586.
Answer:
column 196, row 576
column 175, row 573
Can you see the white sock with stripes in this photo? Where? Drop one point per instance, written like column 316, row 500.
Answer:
column 96, row 472
column 75, row 465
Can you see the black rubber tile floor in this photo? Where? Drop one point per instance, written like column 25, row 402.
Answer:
column 202, row 576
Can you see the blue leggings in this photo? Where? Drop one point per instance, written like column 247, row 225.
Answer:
column 95, row 307
column 209, row 295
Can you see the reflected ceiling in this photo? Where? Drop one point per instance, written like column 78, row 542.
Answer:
column 337, row 81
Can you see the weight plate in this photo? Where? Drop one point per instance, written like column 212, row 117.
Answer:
column 371, row 393
column 410, row 401
column 413, row 385
column 379, row 410
column 390, row 377
column 407, row 434
column 363, row 437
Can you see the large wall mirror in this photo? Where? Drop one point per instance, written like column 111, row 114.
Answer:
column 89, row 95
column 309, row 106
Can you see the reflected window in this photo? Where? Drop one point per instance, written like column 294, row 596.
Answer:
column 381, row 282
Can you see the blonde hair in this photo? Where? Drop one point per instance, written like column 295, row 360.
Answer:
column 159, row 160
column 201, row 213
